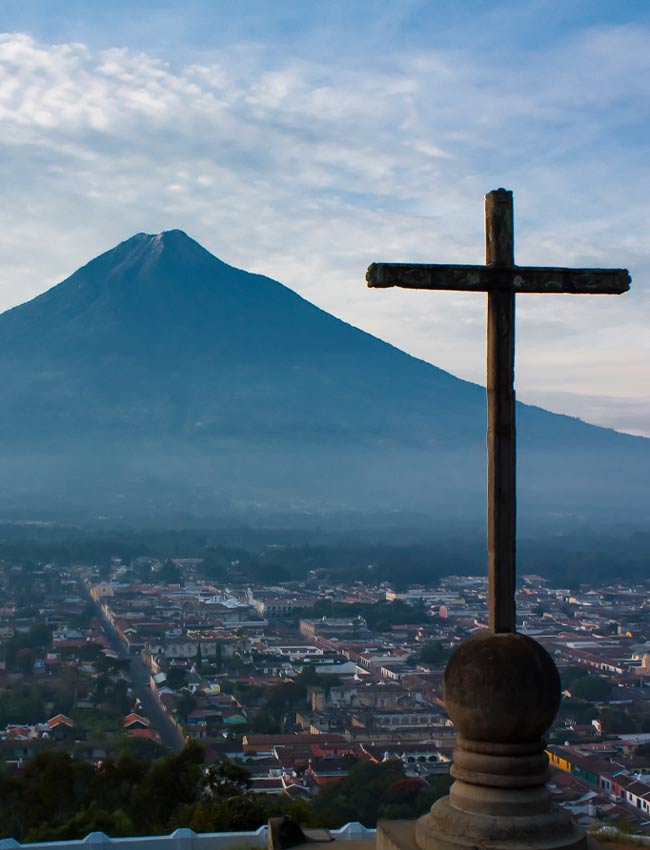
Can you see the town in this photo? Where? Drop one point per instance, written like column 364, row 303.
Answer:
column 301, row 680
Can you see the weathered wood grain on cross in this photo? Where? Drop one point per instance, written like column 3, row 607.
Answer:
column 501, row 279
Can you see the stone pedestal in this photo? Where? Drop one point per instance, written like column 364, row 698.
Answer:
column 502, row 691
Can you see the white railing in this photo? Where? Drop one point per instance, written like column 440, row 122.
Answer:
column 183, row 839
column 611, row 833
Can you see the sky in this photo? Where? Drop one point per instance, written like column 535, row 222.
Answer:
column 304, row 140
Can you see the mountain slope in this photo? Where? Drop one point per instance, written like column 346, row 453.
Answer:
column 208, row 342
column 159, row 373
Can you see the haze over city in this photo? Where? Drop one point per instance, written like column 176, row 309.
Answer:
column 304, row 141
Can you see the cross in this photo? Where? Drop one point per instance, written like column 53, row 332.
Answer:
column 501, row 279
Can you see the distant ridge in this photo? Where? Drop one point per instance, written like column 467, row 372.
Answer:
column 159, row 379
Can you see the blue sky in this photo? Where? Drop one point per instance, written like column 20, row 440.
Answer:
column 307, row 139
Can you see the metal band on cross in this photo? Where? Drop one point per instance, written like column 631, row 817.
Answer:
column 501, row 279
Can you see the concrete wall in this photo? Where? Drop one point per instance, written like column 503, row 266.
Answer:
column 182, row 839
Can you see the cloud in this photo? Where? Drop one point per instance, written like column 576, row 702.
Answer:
column 307, row 171
column 619, row 412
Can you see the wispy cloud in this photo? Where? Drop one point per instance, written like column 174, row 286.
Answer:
column 307, row 171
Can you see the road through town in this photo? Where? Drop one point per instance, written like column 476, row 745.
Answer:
column 169, row 734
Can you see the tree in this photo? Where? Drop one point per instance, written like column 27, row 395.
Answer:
column 82, row 620
column 616, row 721
column 118, row 697
column 227, row 779
column 185, row 704
column 25, row 659
column 265, row 723
column 90, row 652
column 61, row 798
column 201, row 818
column 40, row 635
column 102, row 683
column 570, row 674
column 169, row 573
column 273, row 572
column 176, row 780
column 176, row 677
column 239, row 813
column 284, row 698
column 54, row 787
column 308, row 676
column 360, row 795
column 433, row 652
column 591, row 688
column 142, row 748
column 115, row 781
column 578, row 710
column 81, row 824
column 112, row 666
column 24, row 704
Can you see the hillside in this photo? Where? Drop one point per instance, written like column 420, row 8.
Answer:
column 158, row 379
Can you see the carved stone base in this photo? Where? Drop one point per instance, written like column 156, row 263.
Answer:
column 502, row 692
column 448, row 828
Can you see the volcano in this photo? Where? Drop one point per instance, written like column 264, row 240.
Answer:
column 159, row 380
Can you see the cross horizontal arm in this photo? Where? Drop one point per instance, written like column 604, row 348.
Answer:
column 489, row 278
column 427, row 276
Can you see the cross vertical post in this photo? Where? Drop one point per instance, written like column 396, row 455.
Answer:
column 501, row 439
column 501, row 689
column 501, row 279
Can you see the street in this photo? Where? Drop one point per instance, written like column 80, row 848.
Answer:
column 170, row 737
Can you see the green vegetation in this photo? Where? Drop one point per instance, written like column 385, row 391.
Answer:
column 169, row 573
column 372, row 791
column 383, row 553
column 591, row 688
column 280, row 701
column 433, row 652
column 569, row 674
column 59, row 797
column 20, row 649
column 22, row 704
column 616, row 721
column 176, row 677
column 380, row 616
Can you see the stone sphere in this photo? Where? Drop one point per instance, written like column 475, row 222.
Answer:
column 501, row 688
